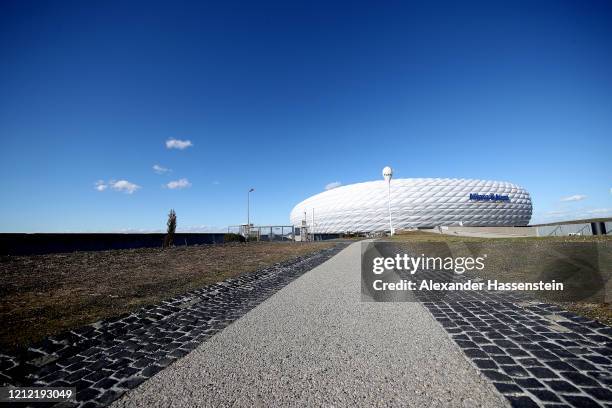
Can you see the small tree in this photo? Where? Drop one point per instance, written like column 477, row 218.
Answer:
column 169, row 239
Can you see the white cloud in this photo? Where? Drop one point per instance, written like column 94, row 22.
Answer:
column 160, row 169
column 600, row 211
column 556, row 213
column 201, row 228
column 178, row 184
column 179, row 228
column 332, row 185
column 124, row 186
column 577, row 197
column 101, row 185
column 565, row 214
column 121, row 185
column 178, row 144
column 135, row 230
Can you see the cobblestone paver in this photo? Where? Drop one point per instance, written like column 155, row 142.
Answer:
column 536, row 354
column 105, row 359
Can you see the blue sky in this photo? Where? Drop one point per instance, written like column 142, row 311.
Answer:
column 289, row 98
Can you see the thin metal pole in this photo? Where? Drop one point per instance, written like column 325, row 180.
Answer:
column 313, row 229
column 389, row 202
column 305, row 234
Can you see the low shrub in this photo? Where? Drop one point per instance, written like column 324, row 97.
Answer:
column 229, row 237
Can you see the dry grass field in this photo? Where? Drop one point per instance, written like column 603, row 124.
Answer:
column 42, row 295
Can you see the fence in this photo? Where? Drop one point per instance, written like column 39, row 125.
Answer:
column 593, row 228
column 265, row 232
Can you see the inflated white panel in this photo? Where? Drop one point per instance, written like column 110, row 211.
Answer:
column 415, row 202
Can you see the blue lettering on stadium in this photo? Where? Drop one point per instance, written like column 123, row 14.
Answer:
column 489, row 197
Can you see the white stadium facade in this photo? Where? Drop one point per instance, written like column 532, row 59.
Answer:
column 415, row 203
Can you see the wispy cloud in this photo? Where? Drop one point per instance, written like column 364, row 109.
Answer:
column 201, row 228
column 216, row 183
column 135, row 230
column 556, row 213
column 178, row 184
column 332, row 185
column 600, row 211
column 160, row 169
column 178, row 144
column 179, row 228
column 566, row 214
column 577, row 197
column 101, row 185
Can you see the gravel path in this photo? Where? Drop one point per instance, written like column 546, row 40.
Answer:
column 315, row 343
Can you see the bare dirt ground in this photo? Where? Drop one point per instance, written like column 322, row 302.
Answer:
column 41, row 295
column 584, row 263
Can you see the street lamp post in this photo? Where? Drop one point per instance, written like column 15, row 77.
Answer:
column 388, row 174
column 249, row 211
column 313, row 226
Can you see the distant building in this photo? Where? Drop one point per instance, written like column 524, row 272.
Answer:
column 415, row 203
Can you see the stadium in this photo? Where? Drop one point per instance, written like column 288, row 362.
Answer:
column 415, row 203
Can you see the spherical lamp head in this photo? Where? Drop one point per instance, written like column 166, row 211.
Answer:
column 387, row 173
